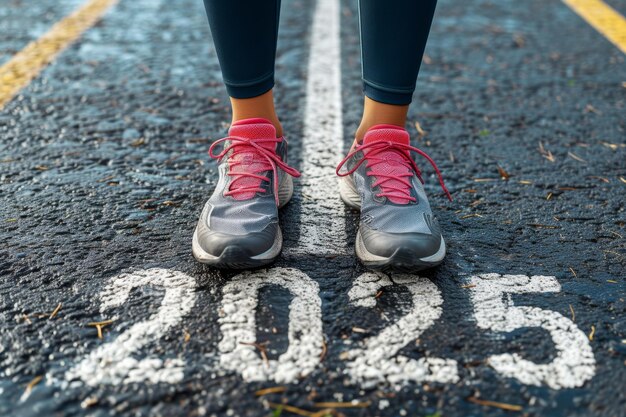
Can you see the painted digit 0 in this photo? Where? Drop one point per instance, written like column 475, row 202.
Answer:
column 238, row 326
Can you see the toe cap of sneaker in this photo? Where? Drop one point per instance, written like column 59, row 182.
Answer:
column 252, row 244
column 384, row 244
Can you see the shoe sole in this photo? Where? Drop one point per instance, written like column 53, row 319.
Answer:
column 236, row 257
column 402, row 259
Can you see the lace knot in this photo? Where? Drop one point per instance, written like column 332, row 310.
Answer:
column 253, row 157
column 391, row 163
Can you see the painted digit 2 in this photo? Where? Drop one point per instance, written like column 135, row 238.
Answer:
column 238, row 326
column 113, row 363
column 574, row 363
column 377, row 360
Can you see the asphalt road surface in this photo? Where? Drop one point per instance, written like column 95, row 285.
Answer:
column 103, row 173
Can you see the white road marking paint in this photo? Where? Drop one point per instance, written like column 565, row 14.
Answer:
column 376, row 361
column 322, row 229
column 238, row 326
column 574, row 363
column 113, row 363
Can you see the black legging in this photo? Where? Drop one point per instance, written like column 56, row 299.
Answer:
column 393, row 38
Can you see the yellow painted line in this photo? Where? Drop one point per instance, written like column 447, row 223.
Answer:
column 23, row 67
column 603, row 18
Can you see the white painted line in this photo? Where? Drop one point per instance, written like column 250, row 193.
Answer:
column 238, row 326
column 494, row 310
column 378, row 360
column 114, row 362
column 322, row 229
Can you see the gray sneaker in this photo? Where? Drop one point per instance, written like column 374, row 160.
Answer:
column 238, row 227
column 397, row 230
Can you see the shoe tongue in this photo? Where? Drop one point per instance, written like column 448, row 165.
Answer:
column 247, row 158
column 386, row 133
column 252, row 129
column 393, row 164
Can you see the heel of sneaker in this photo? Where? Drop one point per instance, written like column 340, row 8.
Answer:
column 349, row 193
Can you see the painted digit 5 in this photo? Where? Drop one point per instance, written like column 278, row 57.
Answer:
column 574, row 363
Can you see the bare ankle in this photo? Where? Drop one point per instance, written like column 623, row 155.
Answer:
column 261, row 106
column 375, row 113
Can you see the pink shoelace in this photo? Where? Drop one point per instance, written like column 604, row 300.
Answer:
column 269, row 161
column 386, row 181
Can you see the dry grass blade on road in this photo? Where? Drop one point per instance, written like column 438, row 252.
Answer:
column 23, row 67
column 603, row 18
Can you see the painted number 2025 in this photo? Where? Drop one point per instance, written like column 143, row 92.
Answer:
column 375, row 360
